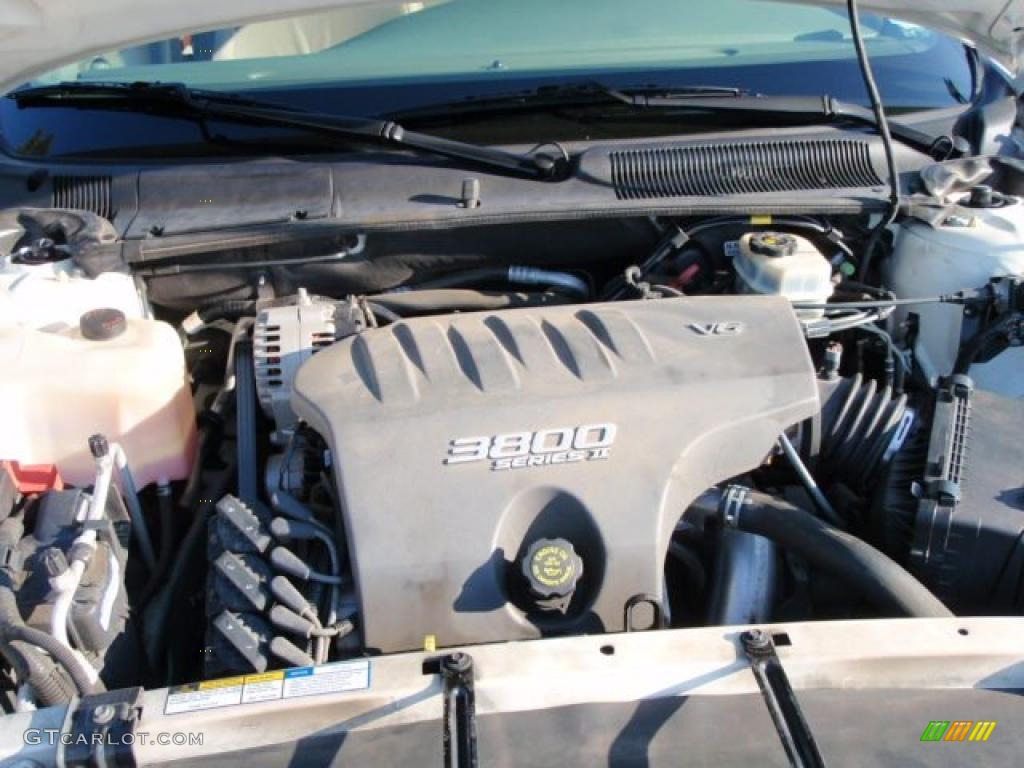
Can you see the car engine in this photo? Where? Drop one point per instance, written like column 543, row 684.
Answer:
column 399, row 445
column 558, row 434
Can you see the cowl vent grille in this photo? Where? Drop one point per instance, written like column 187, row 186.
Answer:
column 84, row 193
column 738, row 169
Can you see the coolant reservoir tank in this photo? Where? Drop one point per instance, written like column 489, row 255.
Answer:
column 975, row 243
column 57, row 294
column 783, row 264
column 120, row 376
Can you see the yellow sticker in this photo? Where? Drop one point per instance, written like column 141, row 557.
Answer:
column 227, row 682
column 761, row 220
column 429, row 643
column 266, row 677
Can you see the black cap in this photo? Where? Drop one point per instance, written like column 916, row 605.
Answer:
column 773, row 244
column 552, row 568
column 983, row 196
column 99, row 446
column 102, row 324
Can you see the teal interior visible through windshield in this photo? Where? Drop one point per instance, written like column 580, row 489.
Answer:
column 495, row 40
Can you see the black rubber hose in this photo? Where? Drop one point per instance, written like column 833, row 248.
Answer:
column 33, row 667
column 167, row 513
column 454, row 299
column 984, row 343
column 226, row 310
column 49, row 685
column 59, row 652
column 211, row 428
column 159, row 611
column 468, row 277
column 246, row 433
column 881, row 581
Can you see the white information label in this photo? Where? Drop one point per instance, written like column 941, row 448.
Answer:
column 329, row 678
column 212, row 694
column 270, row 686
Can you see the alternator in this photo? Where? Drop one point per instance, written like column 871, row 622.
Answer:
column 283, row 339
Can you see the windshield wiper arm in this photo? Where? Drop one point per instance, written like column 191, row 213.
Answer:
column 811, row 107
column 712, row 99
column 203, row 104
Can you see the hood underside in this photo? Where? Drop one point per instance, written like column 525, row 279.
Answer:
column 37, row 35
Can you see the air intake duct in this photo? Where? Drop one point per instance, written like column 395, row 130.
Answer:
column 860, row 425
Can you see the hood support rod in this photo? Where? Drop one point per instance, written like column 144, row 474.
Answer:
column 796, row 736
column 460, row 749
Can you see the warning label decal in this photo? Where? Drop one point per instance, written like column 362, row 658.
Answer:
column 269, row 686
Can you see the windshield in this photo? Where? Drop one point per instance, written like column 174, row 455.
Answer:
column 401, row 61
column 493, row 41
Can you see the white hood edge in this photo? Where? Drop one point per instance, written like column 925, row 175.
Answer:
column 38, row 35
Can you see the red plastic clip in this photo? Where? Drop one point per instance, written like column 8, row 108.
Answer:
column 33, row 478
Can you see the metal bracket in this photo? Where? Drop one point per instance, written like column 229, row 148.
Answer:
column 101, row 730
column 731, row 506
column 459, row 711
column 796, row 736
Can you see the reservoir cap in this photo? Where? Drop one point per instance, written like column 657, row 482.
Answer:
column 552, row 569
column 102, row 324
column 773, row 244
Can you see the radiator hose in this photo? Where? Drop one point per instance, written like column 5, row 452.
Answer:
column 879, row 579
column 563, row 282
column 232, row 310
column 462, row 299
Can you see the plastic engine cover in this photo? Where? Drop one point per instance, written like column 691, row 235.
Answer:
column 459, row 441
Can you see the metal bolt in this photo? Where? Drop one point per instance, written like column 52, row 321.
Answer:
column 756, row 639
column 103, row 714
column 470, row 193
column 458, row 662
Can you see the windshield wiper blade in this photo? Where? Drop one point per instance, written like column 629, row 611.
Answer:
column 204, row 104
column 823, row 107
column 553, row 96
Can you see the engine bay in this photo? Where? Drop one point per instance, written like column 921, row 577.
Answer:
column 434, row 438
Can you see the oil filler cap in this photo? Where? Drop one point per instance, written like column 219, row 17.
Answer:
column 102, row 324
column 773, row 244
column 552, row 569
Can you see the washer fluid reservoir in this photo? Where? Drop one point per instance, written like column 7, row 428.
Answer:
column 977, row 242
